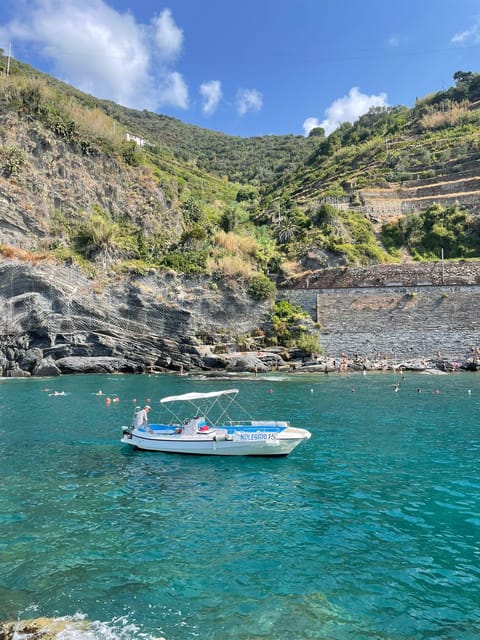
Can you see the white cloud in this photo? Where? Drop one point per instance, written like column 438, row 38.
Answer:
column 173, row 90
column 168, row 37
column 104, row 52
column 346, row 109
column 248, row 100
column 211, row 93
column 469, row 35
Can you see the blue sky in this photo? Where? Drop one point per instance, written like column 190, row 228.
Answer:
column 248, row 67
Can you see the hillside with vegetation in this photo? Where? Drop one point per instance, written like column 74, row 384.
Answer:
column 256, row 161
column 130, row 241
column 397, row 184
column 410, row 176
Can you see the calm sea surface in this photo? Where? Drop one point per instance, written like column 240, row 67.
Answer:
column 369, row 530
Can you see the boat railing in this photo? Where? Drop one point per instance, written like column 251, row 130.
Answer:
column 256, row 423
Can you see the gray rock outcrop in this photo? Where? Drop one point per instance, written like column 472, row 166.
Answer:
column 57, row 321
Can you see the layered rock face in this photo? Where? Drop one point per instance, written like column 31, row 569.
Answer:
column 54, row 320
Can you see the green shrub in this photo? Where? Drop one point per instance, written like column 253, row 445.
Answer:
column 261, row 287
column 100, row 238
column 188, row 262
column 12, row 160
column 130, row 153
column 309, row 343
column 289, row 324
column 427, row 233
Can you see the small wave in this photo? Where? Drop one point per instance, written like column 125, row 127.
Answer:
column 76, row 627
column 433, row 372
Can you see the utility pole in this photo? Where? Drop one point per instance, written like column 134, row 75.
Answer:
column 7, row 72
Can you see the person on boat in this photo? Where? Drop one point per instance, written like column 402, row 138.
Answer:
column 140, row 419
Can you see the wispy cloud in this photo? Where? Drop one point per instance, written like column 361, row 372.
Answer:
column 394, row 40
column 248, row 100
column 346, row 109
column 211, row 93
column 472, row 34
column 105, row 52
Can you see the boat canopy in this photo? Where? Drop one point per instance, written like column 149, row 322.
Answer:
column 188, row 397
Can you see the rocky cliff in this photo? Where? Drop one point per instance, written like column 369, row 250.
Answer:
column 55, row 320
column 55, row 179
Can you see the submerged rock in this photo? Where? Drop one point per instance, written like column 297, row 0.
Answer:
column 40, row 628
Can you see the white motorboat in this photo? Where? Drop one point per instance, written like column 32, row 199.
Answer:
column 211, row 431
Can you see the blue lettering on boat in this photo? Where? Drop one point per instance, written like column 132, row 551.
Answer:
column 255, row 435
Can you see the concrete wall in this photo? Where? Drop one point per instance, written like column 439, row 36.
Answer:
column 401, row 322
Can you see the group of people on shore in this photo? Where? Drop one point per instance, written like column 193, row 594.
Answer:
column 344, row 363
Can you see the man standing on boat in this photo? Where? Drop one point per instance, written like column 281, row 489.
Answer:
column 140, row 419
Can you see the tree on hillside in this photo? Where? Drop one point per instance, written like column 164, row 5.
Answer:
column 286, row 229
column 462, row 76
column 317, row 132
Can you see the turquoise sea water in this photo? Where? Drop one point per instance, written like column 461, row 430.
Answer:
column 371, row 529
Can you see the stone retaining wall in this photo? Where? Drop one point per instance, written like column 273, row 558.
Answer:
column 401, row 322
column 405, row 274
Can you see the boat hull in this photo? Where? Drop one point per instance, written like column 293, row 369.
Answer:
column 237, row 444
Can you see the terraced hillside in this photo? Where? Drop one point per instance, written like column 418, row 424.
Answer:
column 394, row 160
